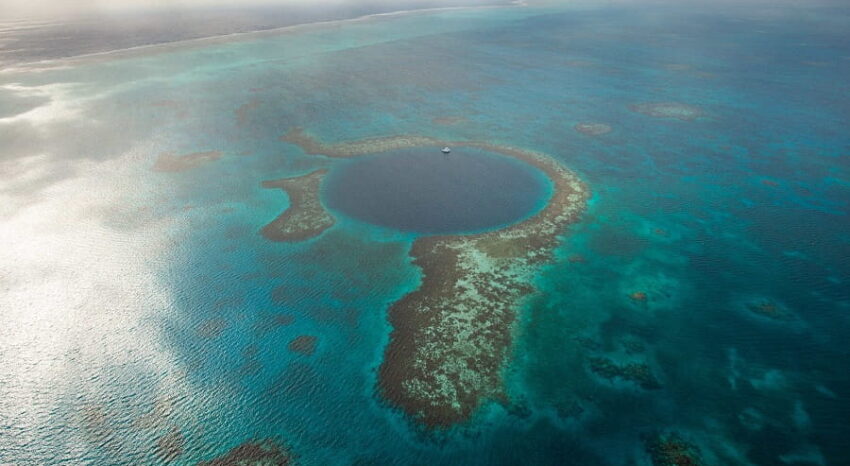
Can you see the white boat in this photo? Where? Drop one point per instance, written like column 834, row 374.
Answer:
column 446, row 150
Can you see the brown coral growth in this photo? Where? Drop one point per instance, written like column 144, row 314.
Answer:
column 212, row 328
column 770, row 310
column 593, row 129
column 253, row 453
column 638, row 373
column 305, row 217
column 672, row 450
column 303, row 344
column 675, row 110
column 170, row 446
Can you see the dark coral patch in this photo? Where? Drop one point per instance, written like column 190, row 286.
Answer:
column 212, row 328
column 593, row 129
column 253, row 453
column 170, row 446
column 770, row 309
column 672, row 450
column 303, row 344
column 636, row 372
column 769, row 183
column 96, row 423
column 675, row 110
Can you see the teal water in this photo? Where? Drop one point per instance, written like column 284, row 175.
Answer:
column 136, row 303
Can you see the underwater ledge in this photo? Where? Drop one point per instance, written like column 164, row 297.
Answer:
column 451, row 336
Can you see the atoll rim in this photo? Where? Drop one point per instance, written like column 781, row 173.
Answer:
column 451, row 336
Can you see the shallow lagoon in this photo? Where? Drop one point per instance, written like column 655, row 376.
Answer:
column 145, row 318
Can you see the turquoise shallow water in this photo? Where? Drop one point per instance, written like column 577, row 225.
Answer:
column 137, row 303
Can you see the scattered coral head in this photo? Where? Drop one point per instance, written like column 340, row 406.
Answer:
column 675, row 110
column 593, row 129
column 253, row 453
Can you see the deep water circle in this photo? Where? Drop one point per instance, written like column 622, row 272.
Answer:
column 424, row 191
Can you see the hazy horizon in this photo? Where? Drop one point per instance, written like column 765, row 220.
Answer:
column 55, row 9
column 69, row 32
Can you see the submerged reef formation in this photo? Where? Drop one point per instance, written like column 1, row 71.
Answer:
column 303, row 344
column 452, row 335
column 770, row 309
column 305, row 217
column 312, row 146
column 253, row 453
column 593, row 129
column 676, row 110
column 212, row 328
column 672, row 450
column 636, row 372
column 171, row 163
column 170, row 446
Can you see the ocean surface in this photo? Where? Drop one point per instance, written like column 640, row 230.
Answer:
column 42, row 35
column 422, row 191
column 703, row 296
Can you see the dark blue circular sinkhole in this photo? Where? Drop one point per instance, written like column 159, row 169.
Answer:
column 424, row 191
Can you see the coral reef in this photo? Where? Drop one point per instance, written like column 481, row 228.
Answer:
column 636, row 372
column 451, row 336
column 96, row 425
column 179, row 163
column 672, row 450
column 676, row 110
column 303, row 344
column 306, row 217
column 593, row 129
column 310, row 145
column 212, row 328
column 253, row 453
column 769, row 309
column 170, row 446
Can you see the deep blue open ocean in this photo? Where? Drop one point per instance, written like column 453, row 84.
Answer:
column 142, row 311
